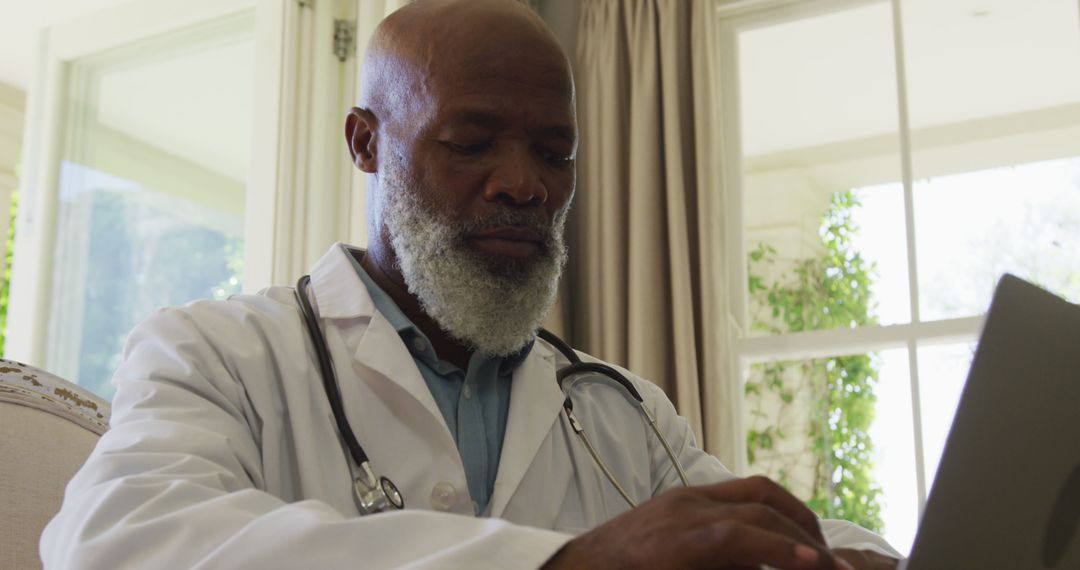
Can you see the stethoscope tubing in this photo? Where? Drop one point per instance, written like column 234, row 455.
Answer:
column 577, row 366
column 329, row 377
column 376, row 494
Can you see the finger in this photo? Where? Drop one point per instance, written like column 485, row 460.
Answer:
column 866, row 559
column 760, row 489
column 734, row 543
column 767, row 518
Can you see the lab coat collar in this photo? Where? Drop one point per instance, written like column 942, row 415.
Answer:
column 339, row 292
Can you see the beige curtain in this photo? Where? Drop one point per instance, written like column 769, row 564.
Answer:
column 647, row 287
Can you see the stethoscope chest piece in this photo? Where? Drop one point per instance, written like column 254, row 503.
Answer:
column 375, row 494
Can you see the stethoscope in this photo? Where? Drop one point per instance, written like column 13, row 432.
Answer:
column 375, row 494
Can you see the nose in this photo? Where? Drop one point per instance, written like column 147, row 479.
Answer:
column 516, row 180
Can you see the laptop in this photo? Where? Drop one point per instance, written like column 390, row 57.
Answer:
column 1007, row 490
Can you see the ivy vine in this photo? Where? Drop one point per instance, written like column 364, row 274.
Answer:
column 5, row 267
column 829, row 290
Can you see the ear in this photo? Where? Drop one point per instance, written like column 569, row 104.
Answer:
column 361, row 128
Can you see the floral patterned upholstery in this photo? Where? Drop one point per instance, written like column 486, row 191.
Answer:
column 26, row 385
column 47, row 428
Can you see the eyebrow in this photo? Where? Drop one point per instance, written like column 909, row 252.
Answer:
column 491, row 120
column 564, row 132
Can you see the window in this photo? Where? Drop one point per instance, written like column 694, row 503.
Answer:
column 893, row 159
column 181, row 151
column 151, row 190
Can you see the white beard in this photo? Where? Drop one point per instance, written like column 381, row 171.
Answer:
column 491, row 304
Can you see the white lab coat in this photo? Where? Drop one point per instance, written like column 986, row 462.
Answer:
column 223, row 451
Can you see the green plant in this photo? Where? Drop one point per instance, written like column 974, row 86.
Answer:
column 5, row 275
column 828, row 290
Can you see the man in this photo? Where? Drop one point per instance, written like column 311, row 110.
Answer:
column 223, row 451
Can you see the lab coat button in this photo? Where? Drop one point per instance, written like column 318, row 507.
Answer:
column 443, row 496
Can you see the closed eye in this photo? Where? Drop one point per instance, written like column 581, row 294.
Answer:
column 556, row 158
column 467, row 149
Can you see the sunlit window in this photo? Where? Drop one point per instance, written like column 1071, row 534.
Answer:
column 884, row 192
column 151, row 190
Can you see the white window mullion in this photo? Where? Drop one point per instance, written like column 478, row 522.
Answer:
column 730, row 144
column 905, row 160
column 31, row 270
column 916, row 423
column 838, row 342
column 909, row 224
column 296, row 206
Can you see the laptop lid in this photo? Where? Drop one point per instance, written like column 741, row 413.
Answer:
column 1007, row 490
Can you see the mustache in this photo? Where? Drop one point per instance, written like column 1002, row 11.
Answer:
column 526, row 219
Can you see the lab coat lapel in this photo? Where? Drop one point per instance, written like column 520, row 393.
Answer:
column 535, row 403
column 382, row 351
column 381, row 355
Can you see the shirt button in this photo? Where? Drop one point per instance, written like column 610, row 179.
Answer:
column 418, row 344
column 468, row 391
column 476, row 508
column 443, row 496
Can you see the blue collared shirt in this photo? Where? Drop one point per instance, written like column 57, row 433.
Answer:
column 474, row 402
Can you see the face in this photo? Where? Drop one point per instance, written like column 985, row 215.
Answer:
column 489, row 302
column 492, row 139
column 476, row 173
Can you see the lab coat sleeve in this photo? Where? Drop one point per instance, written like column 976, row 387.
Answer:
column 702, row 469
column 175, row 482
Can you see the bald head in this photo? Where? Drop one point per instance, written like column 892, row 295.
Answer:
column 430, row 41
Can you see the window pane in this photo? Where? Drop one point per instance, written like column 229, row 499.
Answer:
column 151, row 190
column 994, row 101
column 893, row 435
column 838, row 433
column 819, row 118
column 1023, row 219
column 943, row 369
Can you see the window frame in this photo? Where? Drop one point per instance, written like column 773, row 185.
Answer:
column 740, row 15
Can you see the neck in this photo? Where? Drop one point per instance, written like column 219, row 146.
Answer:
column 380, row 266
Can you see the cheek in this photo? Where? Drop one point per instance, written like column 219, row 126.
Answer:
column 560, row 188
column 453, row 188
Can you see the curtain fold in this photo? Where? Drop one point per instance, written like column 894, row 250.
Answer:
column 647, row 286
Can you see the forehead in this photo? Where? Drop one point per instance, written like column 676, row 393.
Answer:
column 488, row 86
column 461, row 61
column 550, row 121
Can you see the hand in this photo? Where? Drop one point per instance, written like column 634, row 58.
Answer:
column 865, row 559
column 743, row 523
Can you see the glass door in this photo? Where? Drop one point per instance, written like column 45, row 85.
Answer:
column 143, row 123
column 150, row 200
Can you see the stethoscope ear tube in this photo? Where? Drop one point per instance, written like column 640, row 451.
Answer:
column 576, row 366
